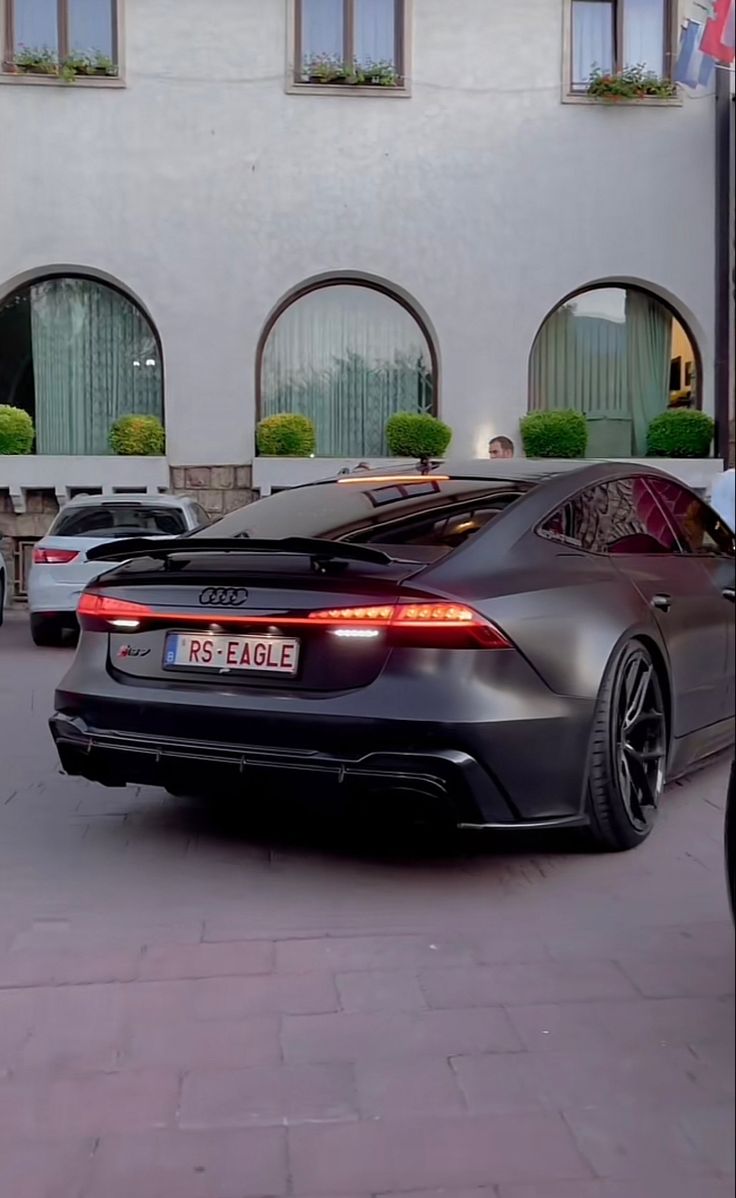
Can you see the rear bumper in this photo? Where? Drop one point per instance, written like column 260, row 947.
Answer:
column 456, row 782
column 47, row 595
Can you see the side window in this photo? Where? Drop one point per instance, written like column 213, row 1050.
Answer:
column 699, row 526
column 200, row 516
column 617, row 517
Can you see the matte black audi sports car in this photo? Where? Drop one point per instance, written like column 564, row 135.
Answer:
column 514, row 647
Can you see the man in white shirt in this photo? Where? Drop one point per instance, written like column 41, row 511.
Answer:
column 723, row 497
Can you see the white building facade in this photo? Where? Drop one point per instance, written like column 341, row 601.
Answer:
column 212, row 163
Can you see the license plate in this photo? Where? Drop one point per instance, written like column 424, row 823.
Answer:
column 246, row 654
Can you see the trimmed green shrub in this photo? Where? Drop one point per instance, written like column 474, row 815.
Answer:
column 417, row 435
column 555, row 434
column 138, row 436
column 680, row 433
column 16, row 430
column 287, row 435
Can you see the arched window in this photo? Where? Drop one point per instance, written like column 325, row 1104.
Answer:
column 348, row 355
column 618, row 354
column 77, row 354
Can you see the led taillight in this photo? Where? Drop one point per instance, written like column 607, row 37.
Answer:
column 103, row 612
column 54, row 557
column 422, row 624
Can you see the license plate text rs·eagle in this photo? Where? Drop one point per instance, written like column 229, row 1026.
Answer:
column 236, row 654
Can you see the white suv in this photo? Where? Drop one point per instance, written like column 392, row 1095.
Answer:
column 60, row 569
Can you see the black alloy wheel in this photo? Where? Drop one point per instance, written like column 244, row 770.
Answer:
column 629, row 754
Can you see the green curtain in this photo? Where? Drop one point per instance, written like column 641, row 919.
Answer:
column 95, row 358
column 614, row 370
column 579, row 362
column 348, row 357
column 649, row 353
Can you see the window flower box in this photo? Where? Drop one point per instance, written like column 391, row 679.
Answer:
column 632, row 84
column 324, row 70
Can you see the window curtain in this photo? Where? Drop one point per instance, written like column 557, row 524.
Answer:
column 375, row 31
column 579, row 362
column 592, row 39
column 322, row 32
column 644, row 34
column 649, row 352
column 90, row 26
column 95, row 358
column 348, row 357
column 37, row 24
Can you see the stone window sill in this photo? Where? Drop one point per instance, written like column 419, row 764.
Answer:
column 339, row 89
column 645, row 102
column 26, row 79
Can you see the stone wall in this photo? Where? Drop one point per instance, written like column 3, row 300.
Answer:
column 219, row 489
column 41, row 507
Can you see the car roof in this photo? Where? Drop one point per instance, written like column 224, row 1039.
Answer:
column 142, row 498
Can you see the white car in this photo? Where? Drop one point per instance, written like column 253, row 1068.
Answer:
column 60, row 570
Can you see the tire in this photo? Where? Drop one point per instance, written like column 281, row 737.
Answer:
column 46, row 631
column 628, row 752
column 2, row 600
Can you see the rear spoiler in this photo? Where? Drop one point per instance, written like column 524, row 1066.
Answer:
column 319, row 551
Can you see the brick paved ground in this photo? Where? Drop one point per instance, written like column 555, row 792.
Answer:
column 193, row 1010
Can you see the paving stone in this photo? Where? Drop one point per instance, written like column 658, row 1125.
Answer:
column 336, row 954
column 73, row 1028
column 187, row 1043
column 580, row 1078
column 262, row 1097
column 179, row 1164
column 651, row 1187
column 413, row 1154
column 619, row 1143
column 181, row 961
column 711, row 1132
column 681, row 976
column 685, row 941
column 644, row 1022
column 483, row 1192
column 88, row 1104
column 380, row 990
column 402, row 1087
column 43, row 1168
column 344, row 1037
column 46, row 968
column 517, row 983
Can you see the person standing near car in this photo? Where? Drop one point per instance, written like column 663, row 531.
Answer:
column 500, row 447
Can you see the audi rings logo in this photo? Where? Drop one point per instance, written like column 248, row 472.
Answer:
column 223, row 597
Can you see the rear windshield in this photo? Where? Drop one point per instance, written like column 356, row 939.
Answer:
column 436, row 513
column 119, row 520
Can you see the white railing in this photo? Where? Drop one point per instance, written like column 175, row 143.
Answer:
column 67, row 475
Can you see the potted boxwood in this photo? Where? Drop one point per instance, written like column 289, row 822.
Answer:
column 680, row 433
column 16, row 430
column 633, row 83
column 417, row 435
column 138, row 436
column 286, row 435
column 556, row 434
